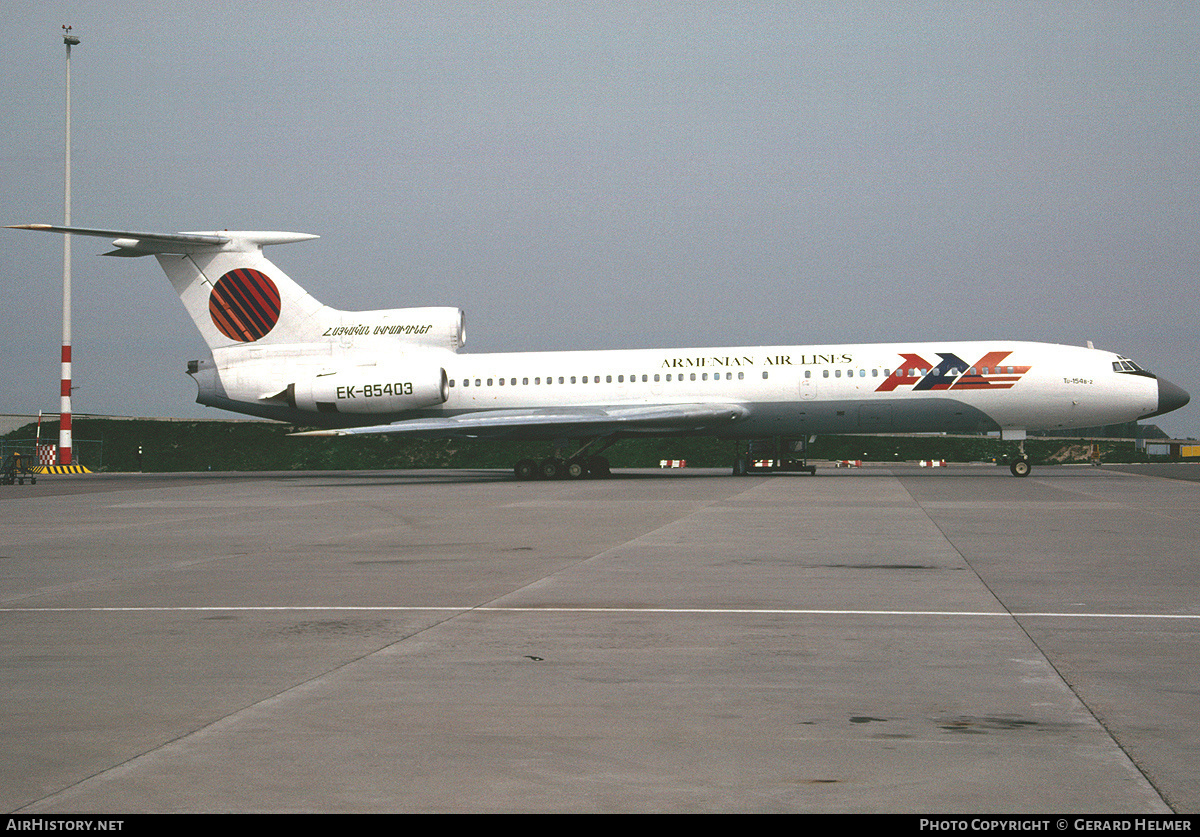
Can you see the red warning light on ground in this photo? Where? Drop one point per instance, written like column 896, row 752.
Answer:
column 244, row 305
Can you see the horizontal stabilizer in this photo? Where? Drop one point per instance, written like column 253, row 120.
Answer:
column 133, row 243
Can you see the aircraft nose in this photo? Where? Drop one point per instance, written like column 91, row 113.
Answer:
column 1170, row 397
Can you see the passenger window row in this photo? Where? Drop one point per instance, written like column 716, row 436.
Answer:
column 595, row 379
column 913, row 372
column 716, row 376
column 850, row 373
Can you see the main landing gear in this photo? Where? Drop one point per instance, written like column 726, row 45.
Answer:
column 578, row 465
column 556, row 468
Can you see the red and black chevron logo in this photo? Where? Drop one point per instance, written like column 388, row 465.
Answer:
column 244, row 305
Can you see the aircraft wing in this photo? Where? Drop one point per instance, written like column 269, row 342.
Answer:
column 560, row 422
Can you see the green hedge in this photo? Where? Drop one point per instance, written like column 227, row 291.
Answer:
column 112, row 445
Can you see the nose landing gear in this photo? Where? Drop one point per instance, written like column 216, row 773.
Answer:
column 1019, row 465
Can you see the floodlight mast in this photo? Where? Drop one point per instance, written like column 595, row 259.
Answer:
column 64, row 423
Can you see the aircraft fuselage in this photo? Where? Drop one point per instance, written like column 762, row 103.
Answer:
column 786, row 390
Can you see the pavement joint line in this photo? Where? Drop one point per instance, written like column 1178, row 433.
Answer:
column 716, row 611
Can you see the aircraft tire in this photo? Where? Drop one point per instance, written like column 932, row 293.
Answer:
column 741, row 466
column 526, row 469
column 551, row 469
column 1020, row 467
column 576, row 469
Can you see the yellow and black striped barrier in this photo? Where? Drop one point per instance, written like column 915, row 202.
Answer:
column 59, row 469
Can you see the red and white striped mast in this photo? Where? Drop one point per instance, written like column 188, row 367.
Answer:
column 64, row 424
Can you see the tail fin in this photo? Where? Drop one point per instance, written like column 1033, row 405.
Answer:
column 232, row 292
column 236, row 296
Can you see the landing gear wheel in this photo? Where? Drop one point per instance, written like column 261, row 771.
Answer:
column 526, row 469
column 576, row 469
column 741, row 466
column 551, row 469
column 1020, row 467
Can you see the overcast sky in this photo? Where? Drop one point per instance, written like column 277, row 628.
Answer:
column 616, row 175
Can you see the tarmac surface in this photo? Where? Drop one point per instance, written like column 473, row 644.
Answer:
column 887, row 639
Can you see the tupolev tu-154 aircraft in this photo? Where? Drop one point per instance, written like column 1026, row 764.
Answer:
column 279, row 354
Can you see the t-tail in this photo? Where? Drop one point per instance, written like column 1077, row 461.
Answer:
column 236, row 296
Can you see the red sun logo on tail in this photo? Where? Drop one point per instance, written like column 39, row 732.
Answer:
column 244, row 305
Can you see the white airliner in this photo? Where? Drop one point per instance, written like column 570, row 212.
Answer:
column 280, row 354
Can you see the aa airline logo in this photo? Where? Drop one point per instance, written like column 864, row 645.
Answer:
column 989, row 372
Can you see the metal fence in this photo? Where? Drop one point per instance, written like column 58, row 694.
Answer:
column 86, row 452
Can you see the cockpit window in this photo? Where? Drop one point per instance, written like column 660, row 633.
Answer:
column 1128, row 367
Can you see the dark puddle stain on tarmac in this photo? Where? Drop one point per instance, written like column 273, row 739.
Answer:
column 985, row 724
column 969, row 725
column 868, row 719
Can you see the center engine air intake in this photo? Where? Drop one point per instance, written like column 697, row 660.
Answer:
column 445, row 328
